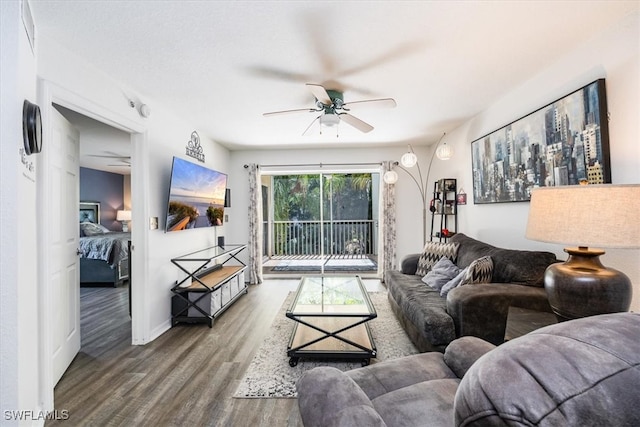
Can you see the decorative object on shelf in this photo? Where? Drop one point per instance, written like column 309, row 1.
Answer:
column 562, row 143
column 444, row 206
column 31, row 128
column 409, row 160
column 461, row 197
column 194, row 149
column 591, row 216
column 124, row 217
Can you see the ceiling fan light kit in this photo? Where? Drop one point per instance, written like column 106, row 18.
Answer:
column 329, row 120
column 334, row 110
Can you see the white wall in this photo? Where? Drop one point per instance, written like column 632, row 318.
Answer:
column 614, row 56
column 18, row 319
column 167, row 135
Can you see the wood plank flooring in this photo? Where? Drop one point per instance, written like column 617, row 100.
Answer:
column 186, row 376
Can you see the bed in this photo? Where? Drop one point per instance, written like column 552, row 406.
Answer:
column 104, row 254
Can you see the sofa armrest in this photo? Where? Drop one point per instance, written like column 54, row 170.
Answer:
column 328, row 397
column 409, row 264
column 481, row 310
column 463, row 352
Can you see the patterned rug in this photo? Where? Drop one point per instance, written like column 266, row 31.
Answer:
column 270, row 376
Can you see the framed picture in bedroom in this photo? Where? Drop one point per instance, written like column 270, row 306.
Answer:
column 90, row 212
column 563, row 143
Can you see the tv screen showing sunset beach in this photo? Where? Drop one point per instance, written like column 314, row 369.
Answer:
column 196, row 196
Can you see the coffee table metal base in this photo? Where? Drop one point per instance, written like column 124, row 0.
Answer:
column 331, row 338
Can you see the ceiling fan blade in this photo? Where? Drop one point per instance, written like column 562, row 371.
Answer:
column 309, row 127
column 279, row 74
column 320, row 93
column 382, row 102
column 356, row 122
column 299, row 110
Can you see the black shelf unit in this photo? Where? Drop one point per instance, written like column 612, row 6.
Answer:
column 444, row 209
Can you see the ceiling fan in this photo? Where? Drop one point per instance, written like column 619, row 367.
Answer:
column 332, row 108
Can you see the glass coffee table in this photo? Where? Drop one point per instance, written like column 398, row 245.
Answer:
column 331, row 315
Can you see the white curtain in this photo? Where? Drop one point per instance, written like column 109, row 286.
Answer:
column 388, row 222
column 255, row 225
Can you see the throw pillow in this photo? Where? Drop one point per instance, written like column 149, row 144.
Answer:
column 432, row 253
column 442, row 272
column 452, row 283
column 479, row 271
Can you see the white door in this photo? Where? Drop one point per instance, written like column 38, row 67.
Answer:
column 64, row 265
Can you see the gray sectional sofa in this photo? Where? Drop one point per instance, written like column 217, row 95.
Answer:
column 582, row 373
column 479, row 310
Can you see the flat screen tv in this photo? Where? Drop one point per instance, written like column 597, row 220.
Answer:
column 196, row 196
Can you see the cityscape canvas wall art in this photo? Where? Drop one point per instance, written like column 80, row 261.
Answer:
column 563, row 143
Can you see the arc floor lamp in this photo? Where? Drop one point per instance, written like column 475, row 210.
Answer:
column 408, row 161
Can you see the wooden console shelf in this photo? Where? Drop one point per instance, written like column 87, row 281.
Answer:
column 211, row 290
column 212, row 279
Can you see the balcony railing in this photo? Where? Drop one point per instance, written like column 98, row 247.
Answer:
column 336, row 238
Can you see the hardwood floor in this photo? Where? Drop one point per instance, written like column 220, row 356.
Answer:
column 186, row 376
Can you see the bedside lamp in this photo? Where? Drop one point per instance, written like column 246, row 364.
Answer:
column 602, row 216
column 124, row 217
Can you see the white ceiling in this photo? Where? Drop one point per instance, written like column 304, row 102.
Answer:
column 221, row 64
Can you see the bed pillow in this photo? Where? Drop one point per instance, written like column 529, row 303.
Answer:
column 479, row 271
column 442, row 272
column 432, row 253
column 91, row 229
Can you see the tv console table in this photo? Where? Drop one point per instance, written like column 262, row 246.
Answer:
column 215, row 280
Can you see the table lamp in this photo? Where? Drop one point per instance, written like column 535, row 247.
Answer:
column 124, row 217
column 589, row 216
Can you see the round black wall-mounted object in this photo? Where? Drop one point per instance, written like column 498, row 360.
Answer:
column 31, row 128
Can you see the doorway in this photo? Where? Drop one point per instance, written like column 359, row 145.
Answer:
column 49, row 95
column 104, row 194
column 321, row 223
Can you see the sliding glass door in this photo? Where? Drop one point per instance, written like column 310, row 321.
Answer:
column 322, row 223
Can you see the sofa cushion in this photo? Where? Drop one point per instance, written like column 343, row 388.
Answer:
column 442, row 272
column 579, row 373
column 383, row 377
column 479, row 271
column 422, row 306
column 345, row 394
column 509, row 266
column 432, row 253
column 426, row 403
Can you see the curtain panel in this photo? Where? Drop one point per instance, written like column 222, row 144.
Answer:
column 388, row 222
column 255, row 225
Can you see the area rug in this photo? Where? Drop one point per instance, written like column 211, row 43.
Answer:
column 364, row 264
column 270, row 376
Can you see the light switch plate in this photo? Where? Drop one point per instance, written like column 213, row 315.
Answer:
column 153, row 223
